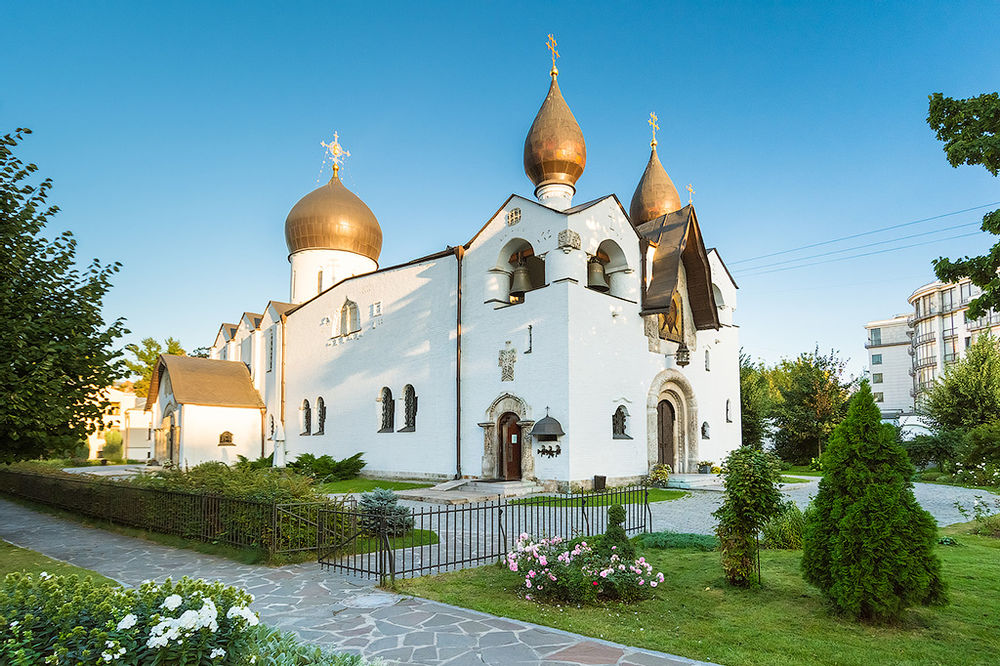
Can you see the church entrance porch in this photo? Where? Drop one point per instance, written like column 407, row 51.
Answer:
column 672, row 422
column 507, row 445
column 509, row 463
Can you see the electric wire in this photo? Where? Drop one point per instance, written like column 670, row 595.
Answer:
column 863, row 233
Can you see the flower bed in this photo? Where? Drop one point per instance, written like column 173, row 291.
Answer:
column 556, row 570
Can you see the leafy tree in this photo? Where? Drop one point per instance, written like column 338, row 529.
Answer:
column 935, row 448
column 968, row 394
column 867, row 544
column 200, row 352
column 143, row 361
column 970, row 130
column 58, row 351
column 752, row 498
column 113, row 445
column 756, row 401
column 813, row 399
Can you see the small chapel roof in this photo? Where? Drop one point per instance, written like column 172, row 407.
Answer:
column 205, row 381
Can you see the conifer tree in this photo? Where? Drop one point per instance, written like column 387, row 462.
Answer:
column 867, row 545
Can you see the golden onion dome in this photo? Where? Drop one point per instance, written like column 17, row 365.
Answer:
column 554, row 150
column 655, row 195
column 331, row 217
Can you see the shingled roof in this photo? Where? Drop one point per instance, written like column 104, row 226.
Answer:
column 205, row 381
column 677, row 238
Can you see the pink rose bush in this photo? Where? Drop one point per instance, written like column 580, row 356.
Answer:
column 557, row 570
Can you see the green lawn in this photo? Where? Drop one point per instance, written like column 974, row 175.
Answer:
column 365, row 485
column 14, row 558
column 696, row 615
column 792, row 479
column 655, row 495
column 802, row 470
column 413, row 538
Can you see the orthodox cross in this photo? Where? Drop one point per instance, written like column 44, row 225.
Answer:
column 551, row 46
column 690, row 193
column 652, row 123
column 336, row 152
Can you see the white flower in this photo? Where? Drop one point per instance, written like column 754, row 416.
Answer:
column 172, row 602
column 127, row 622
column 217, row 652
column 45, row 575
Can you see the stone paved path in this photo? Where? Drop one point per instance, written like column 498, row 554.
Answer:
column 325, row 607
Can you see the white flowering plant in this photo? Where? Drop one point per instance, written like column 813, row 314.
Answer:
column 48, row 619
column 574, row 571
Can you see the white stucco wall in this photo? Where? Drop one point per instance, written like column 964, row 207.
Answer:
column 312, row 271
column 200, row 429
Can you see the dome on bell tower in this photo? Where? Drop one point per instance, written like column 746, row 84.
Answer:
column 655, row 195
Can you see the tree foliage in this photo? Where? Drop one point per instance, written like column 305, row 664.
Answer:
column 752, row 498
column 970, row 131
column 144, row 357
column 968, row 394
column 58, row 350
column 756, row 401
column 813, row 399
column 867, row 545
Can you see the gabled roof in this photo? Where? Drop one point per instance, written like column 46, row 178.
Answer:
column 227, row 331
column 205, row 381
column 254, row 318
column 279, row 306
column 677, row 237
column 724, row 267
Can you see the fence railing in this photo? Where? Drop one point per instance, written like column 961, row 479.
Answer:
column 435, row 539
column 277, row 528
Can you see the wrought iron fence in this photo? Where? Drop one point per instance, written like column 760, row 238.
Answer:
column 443, row 538
column 277, row 528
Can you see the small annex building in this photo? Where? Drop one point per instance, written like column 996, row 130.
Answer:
column 204, row 409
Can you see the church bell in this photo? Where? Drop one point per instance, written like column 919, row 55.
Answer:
column 521, row 282
column 595, row 276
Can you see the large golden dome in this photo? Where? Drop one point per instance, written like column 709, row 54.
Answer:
column 554, row 151
column 655, row 195
column 331, row 217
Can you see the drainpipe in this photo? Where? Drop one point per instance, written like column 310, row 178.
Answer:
column 263, row 411
column 459, row 253
column 284, row 430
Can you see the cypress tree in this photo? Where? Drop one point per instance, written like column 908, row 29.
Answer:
column 867, row 544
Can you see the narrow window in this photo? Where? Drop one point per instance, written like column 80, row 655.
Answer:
column 877, row 378
column 270, row 427
column 319, row 282
column 876, row 336
column 619, row 423
column 409, row 409
column 388, row 410
column 708, row 361
column 306, row 418
column 350, row 319
column 270, row 350
column 879, row 397
column 320, row 416
column 876, row 359
column 729, row 411
column 704, row 430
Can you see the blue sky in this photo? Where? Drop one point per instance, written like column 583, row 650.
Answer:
column 180, row 135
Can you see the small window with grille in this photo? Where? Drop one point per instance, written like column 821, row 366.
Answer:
column 513, row 216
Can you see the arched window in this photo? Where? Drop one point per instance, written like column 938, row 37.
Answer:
column 388, row 410
column 320, row 416
column 704, row 430
column 608, row 271
column 729, row 411
column 350, row 319
column 409, row 409
column 319, row 282
column 306, row 418
column 270, row 427
column 523, row 271
column 619, row 423
column 708, row 361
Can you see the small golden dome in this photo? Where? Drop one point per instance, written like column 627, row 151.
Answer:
column 554, row 150
column 655, row 195
column 331, row 217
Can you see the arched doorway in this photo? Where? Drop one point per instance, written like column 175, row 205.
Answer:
column 509, row 450
column 665, row 447
column 496, row 415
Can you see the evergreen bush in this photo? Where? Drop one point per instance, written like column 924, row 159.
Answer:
column 381, row 512
column 615, row 540
column 867, row 544
column 752, row 497
column 326, row 468
column 784, row 531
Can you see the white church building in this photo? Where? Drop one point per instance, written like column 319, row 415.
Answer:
column 555, row 343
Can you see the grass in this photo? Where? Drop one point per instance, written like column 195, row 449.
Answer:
column 792, row 479
column 655, row 495
column 14, row 558
column 696, row 615
column 412, row 538
column 802, row 470
column 366, row 485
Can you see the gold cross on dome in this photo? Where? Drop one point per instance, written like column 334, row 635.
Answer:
column 336, row 152
column 690, row 192
column 652, row 123
column 551, row 46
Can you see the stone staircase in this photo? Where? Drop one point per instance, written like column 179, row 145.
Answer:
column 464, row 491
column 696, row 482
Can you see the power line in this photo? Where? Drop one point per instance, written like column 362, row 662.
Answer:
column 856, row 256
column 859, row 247
column 864, row 233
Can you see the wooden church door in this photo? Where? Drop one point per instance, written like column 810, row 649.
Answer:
column 510, row 447
column 665, row 433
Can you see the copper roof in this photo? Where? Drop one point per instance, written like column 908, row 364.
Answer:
column 655, row 195
column 678, row 239
column 554, row 150
column 331, row 217
column 205, row 381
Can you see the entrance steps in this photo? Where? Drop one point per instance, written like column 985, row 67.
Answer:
column 696, row 482
column 464, row 491
column 507, row 488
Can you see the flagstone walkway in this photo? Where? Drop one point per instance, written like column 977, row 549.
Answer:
column 325, row 607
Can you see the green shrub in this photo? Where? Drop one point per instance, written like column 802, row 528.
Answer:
column 615, row 541
column 784, row 531
column 247, row 482
column 659, row 474
column 978, row 456
column 112, row 446
column 663, row 540
column 816, row 465
column 867, row 544
column 264, row 462
column 752, row 497
column 785, row 466
column 274, row 647
column 929, row 476
column 380, row 512
column 326, row 468
column 935, row 449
